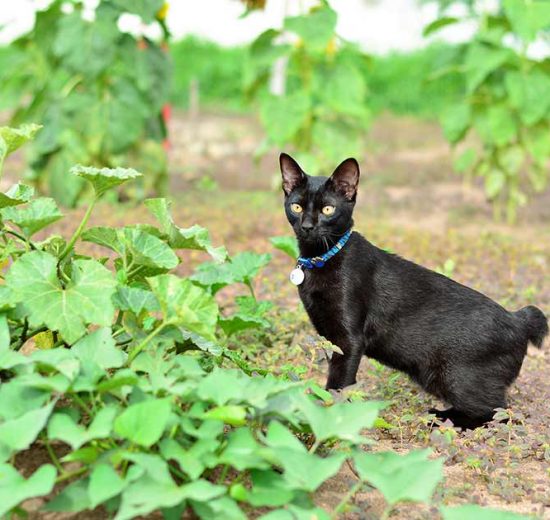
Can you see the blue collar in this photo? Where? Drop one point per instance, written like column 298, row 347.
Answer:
column 319, row 261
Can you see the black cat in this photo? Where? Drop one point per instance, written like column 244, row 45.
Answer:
column 457, row 343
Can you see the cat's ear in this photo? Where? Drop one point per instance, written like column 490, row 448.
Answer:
column 292, row 174
column 345, row 178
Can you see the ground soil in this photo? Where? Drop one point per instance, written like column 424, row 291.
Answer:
column 413, row 204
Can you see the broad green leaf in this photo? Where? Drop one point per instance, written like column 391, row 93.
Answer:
column 17, row 194
column 33, row 217
column 479, row 513
column 439, row 24
column 316, row 28
column 222, row 386
column 19, row 433
column 342, row 421
column 195, row 237
column 283, row 116
column 249, row 315
column 343, row 89
column 104, row 236
column 269, row 488
column 245, row 266
column 455, row 121
column 85, row 299
column 288, row 245
column 230, row 414
column 527, row 17
column 481, row 60
column 185, row 304
column 223, row 507
column 147, row 249
column 99, row 348
column 64, row 428
column 17, row 398
column 104, row 179
column 279, row 436
column 537, row 141
column 105, row 483
column 264, row 51
column 307, row 471
column 412, row 477
column 465, row 160
column 497, row 125
column 243, row 451
column 13, row 138
column 86, row 47
column 145, row 9
column 529, row 94
column 59, row 359
column 14, row 489
column 135, row 299
column 72, row 499
column 4, row 333
column 144, row 423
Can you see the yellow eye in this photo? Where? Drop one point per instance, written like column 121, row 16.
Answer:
column 329, row 210
column 296, row 208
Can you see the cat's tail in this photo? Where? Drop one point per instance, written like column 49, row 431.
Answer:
column 535, row 324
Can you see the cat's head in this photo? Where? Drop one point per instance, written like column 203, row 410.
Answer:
column 319, row 209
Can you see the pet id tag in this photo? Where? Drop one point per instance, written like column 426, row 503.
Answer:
column 297, row 276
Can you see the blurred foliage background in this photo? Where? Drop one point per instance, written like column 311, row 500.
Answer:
column 100, row 92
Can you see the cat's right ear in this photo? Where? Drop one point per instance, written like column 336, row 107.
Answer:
column 292, row 174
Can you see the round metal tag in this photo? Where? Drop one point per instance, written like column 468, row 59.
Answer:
column 297, row 276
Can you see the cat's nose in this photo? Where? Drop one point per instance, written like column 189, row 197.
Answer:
column 307, row 226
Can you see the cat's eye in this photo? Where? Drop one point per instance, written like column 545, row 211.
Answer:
column 328, row 210
column 296, row 208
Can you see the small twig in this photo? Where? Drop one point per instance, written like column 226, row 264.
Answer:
column 347, row 497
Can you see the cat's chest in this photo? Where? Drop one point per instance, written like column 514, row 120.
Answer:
column 322, row 295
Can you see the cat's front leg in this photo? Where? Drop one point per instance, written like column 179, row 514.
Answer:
column 342, row 369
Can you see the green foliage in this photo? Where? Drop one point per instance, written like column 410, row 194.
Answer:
column 323, row 113
column 153, row 418
column 98, row 91
column 506, row 103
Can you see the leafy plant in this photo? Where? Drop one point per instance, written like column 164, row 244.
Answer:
column 322, row 113
column 506, row 103
column 98, row 91
column 127, row 372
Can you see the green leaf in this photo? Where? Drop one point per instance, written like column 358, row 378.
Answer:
column 72, row 499
column 99, row 348
column 342, row 88
column 147, row 249
column 58, row 359
column 35, row 216
column 144, row 423
column 316, row 28
column 85, row 299
column 279, row 436
column 4, row 333
column 17, row 194
column 497, row 125
column 410, row 477
column 527, row 17
column 307, row 471
column 105, row 483
column 223, row 507
column 19, row 433
column 342, row 421
column 104, row 236
column 439, row 24
column 288, row 245
column 104, row 179
column 482, row 60
column 230, row 414
column 243, row 451
column 195, row 237
column 13, row 138
column 145, row 9
column 479, row 513
column 86, row 47
column 269, row 489
column 283, row 116
column 465, row 160
column 529, row 94
column 455, row 121
column 14, row 489
column 135, row 299
column 185, row 304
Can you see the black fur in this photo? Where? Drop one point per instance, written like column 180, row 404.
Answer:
column 457, row 343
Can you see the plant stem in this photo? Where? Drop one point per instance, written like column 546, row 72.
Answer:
column 142, row 345
column 23, row 238
column 71, row 474
column 347, row 497
column 79, row 229
column 53, row 456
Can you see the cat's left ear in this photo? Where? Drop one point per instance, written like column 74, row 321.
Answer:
column 345, row 178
